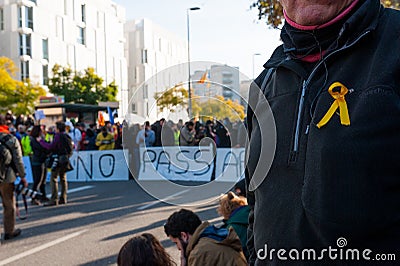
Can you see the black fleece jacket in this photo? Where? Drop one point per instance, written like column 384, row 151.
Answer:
column 334, row 181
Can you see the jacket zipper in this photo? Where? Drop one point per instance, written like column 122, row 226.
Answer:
column 296, row 142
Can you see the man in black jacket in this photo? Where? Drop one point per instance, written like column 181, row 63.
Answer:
column 334, row 91
column 61, row 146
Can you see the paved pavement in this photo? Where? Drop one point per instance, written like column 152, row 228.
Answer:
column 98, row 219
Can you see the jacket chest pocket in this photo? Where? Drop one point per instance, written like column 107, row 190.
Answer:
column 364, row 106
column 351, row 172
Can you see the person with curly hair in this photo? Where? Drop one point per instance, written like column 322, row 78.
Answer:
column 235, row 211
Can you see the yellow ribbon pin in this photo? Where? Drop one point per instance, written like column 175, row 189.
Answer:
column 340, row 103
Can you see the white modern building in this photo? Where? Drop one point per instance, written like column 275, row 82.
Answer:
column 220, row 80
column 36, row 34
column 150, row 50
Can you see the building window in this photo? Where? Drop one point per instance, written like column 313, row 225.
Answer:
column 144, row 56
column 25, row 44
column 60, row 27
column 133, row 106
column 145, row 91
column 24, row 70
column 45, row 75
column 136, row 73
column 73, row 9
column 83, row 13
column 20, row 17
column 81, row 35
column 65, row 7
column 45, row 48
column 29, row 17
column 25, row 17
column 1, row 19
column 99, row 19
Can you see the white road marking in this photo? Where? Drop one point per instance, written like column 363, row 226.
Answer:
column 74, row 190
column 162, row 200
column 39, row 248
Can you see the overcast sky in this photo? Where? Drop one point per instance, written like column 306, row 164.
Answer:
column 222, row 31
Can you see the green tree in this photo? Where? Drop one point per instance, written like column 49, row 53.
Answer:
column 218, row 108
column 8, row 84
column 272, row 12
column 28, row 95
column 81, row 87
column 15, row 95
column 172, row 98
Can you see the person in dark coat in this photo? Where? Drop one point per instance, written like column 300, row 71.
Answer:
column 333, row 88
column 57, row 147
column 223, row 136
column 166, row 134
column 90, row 140
column 156, row 127
column 39, row 170
column 11, row 171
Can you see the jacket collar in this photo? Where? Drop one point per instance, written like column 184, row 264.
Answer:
column 363, row 20
column 196, row 236
column 232, row 240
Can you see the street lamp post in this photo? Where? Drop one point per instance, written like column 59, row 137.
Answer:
column 188, row 46
column 253, row 62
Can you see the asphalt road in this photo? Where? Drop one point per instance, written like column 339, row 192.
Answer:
column 98, row 219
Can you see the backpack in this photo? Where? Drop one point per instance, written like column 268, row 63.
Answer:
column 5, row 156
column 68, row 144
column 64, row 154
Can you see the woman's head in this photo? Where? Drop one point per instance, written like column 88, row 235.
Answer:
column 228, row 203
column 144, row 250
column 36, row 130
column 60, row 126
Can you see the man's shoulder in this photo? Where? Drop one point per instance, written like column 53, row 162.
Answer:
column 211, row 252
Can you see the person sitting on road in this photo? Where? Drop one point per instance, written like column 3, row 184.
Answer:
column 202, row 243
column 144, row 249
column 235, row 211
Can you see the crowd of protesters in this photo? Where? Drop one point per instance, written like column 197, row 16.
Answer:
column 191, row 133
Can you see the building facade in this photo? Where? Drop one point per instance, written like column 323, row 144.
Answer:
column 220, row 80
column 36, row 34
column 150, row 50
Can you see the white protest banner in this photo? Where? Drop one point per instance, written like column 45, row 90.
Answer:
column 109, row 165
column 230, row 164
column 176, row 163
